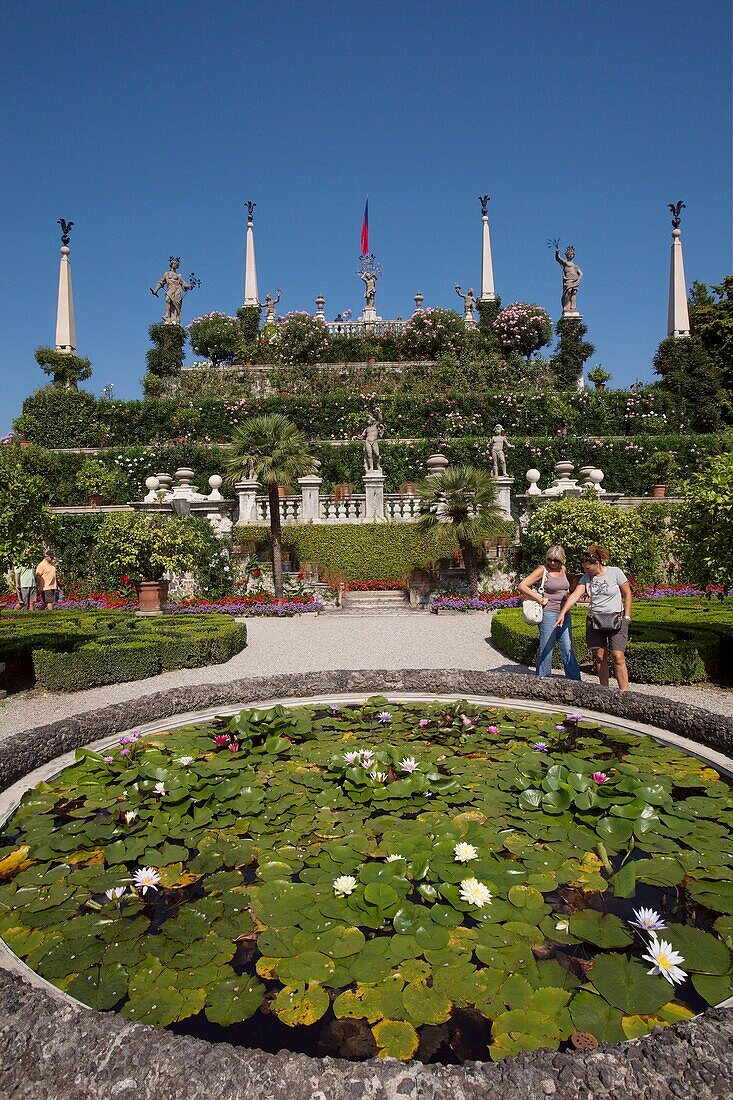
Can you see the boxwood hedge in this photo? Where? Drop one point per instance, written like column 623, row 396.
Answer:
column 66, row 651
column 668, row 644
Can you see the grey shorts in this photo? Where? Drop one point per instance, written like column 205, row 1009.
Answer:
column 595, row 639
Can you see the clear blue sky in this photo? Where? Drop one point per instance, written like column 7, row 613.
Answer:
column 149, row 125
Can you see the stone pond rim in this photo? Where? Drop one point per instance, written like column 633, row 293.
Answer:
column 57, row 1050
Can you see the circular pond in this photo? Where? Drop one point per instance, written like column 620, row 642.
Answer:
column 442, row 880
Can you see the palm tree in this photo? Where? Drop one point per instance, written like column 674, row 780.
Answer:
column 272, row 449
column 461, row 499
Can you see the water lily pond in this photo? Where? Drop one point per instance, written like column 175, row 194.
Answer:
column 445, row 881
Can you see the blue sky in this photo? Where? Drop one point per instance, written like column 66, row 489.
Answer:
column 149, row 125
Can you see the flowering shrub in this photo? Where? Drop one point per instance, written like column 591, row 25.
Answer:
column 299, row 338
column 260, row 604
column 216, row 336
column 484, row 601
column 523, row 327
column 434, row 332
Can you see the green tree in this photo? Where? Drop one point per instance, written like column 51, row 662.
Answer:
column 575, row 523
column 25, row 521
column 274, row 451
column 688, row 371
column 166, row 356
column 523, row 327
column 145, row 547
column 67, row 369
column 711, row 321
column 462, row 499
column 249, row 322
column 572, row 352
column 216, row 336
column 705, row 524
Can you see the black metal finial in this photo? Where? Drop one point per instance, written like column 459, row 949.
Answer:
column 65, row 230
column 484, row 200
column 674, row 209
column 250, row 210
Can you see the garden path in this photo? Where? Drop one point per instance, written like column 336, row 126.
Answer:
column 310, row 643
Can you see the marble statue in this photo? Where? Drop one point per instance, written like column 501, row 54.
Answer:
column 571, row 276
column 175, row 286
column 269, row 307
column 371, row 435
column 496, row 450
column 469, row 303
column 369, row 279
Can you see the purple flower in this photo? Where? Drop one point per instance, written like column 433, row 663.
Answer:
column 385, row 717
column 124, row 752
column 540, row 746
column 125, row 739
column 108, row 759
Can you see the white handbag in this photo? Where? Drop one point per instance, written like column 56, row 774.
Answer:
column 532, row 610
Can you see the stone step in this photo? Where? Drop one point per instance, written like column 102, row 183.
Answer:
column 375, row 603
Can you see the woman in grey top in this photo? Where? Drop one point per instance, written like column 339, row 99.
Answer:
column 556, row 589
column 609, row 593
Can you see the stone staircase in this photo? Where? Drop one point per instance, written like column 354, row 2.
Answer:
column 375, row 603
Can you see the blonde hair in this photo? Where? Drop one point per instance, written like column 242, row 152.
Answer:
column 556, row 552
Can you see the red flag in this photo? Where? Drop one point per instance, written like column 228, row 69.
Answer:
column 365, row 230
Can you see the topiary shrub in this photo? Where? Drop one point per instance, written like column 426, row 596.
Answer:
column 216, row 336
column 249, row 322
column 56, row 417
column 165, row 358
column 572, row 352
column 67, row 369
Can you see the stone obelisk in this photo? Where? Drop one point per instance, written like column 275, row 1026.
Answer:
column 678, row 318
column 65, row 323
column 251, row 294
column 487, row 267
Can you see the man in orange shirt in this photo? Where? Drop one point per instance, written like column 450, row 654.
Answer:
column 46, row 581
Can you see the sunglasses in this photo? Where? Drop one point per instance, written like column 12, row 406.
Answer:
column 553, row 561
column 589, row 559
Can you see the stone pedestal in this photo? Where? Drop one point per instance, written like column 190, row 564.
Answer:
column 310, row 498
column 374, row 488
column 65, row 322
column 678, row 318
column 247, row 493
column 504, row 494
column 369, row 316
column 487, row 267
column 571, row 315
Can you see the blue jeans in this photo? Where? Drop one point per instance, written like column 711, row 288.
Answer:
column 550, row 636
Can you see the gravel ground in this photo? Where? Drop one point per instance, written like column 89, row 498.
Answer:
column 331, row 641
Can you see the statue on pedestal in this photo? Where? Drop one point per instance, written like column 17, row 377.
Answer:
column 571, row 276
column 496, row 450
column 370, row 287
column 371, row 435
column 469, row 304
column 175, row 287
column 269, row 307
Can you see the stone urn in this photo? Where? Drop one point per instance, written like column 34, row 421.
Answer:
column 95, row 500
column 151, row 597
column 600, row 387
column 658, row 490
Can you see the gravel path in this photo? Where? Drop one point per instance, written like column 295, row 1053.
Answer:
column 330, row 641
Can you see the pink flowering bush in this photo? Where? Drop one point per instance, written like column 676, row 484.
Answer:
column 299, row 338
column 433, row 333
column 523, row 327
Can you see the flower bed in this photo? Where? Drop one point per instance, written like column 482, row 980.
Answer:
column 484, row 601
column 261, row 604
column 441, row 881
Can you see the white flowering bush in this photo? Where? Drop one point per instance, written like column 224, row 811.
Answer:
column 523, row 327
column 298, row 338
column 217, row 337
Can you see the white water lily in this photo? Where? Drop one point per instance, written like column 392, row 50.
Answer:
column 393, row 858
column 115, row 892
column 344, row 885
column 562, row 926
column 185, row 760
column 352, row 757
column 378, row 777
column 146, row 878
column 130, row 816
column 666, row 960
column 462, row 853
column 409, row 764
column 159, row 788
column 475, row 893
column 649, row 920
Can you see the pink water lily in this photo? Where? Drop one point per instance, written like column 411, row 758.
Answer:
column 423, row 723
column 493, row 729
column 600, row 777
column 221, row 739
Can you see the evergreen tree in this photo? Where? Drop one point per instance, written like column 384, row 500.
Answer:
column 166, row 355
column 686, row 370
column 572, row 352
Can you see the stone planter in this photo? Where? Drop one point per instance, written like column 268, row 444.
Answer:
column 600, row 387
column 151, row 596
column 658, row 490
column 95, row 500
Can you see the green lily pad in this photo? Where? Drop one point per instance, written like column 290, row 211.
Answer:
column 625, row 984
column 592, row 1014
column 604, row 930
column 702, row 952
column 301, row 1005
column 234, row 999
column 395, row 1039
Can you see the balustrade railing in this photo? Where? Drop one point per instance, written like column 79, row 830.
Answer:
column 367, row 328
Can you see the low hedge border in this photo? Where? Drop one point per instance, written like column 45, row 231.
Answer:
column 659, row 652
column 96, row 648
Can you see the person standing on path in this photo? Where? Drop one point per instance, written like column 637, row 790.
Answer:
column 25, row 586
column 607, row 625
column 46, row 580
column 553, row 631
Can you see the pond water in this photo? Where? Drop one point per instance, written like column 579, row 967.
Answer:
column 449, row 881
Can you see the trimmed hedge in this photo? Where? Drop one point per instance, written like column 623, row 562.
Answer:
column 668, row 644
column 360, row 552
column 67, row 651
